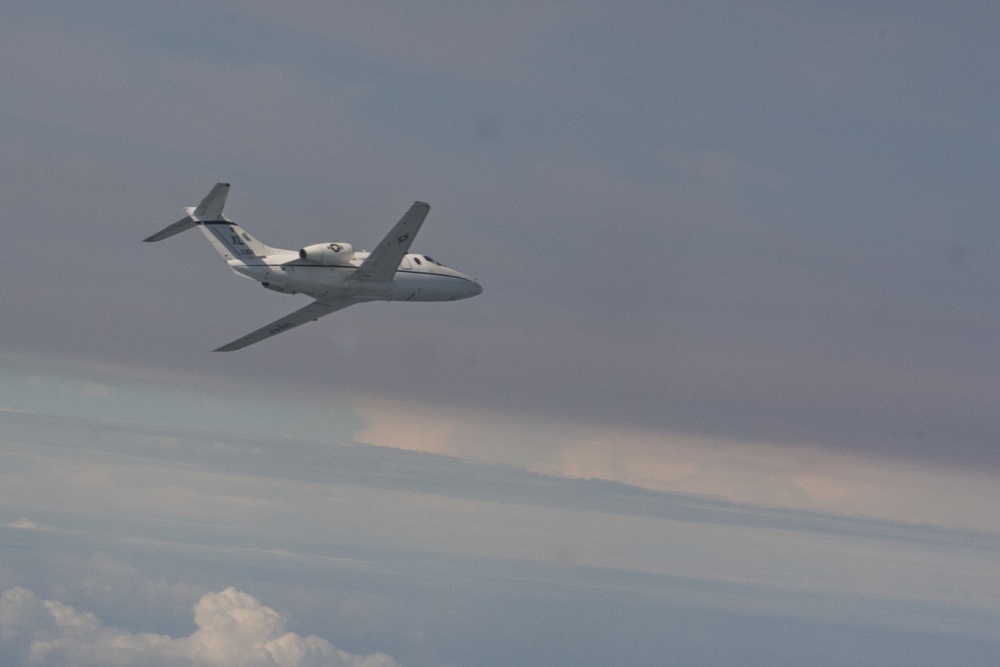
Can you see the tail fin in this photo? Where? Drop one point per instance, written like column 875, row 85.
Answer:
column 210, row 207
column 229, row 239
column 232, row 241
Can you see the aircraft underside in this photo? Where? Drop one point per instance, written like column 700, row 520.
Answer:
column 322, row 282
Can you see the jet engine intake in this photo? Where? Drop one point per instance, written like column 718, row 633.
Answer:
column 327, row 253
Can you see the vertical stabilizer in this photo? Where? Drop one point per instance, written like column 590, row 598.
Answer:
column 229, row 239
column 210, row 207
column 232, row 241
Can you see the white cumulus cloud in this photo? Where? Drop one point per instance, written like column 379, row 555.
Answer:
column 234, row 630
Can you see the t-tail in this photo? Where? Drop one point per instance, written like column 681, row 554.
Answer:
column 229, row 239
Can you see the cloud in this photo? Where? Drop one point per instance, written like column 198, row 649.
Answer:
column 793, row 476
column 406, row 426
column 233, row 629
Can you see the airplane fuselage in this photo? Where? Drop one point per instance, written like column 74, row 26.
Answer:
column 419, row 278
column 335, row 275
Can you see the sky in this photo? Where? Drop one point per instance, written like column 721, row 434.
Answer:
column 731, row 395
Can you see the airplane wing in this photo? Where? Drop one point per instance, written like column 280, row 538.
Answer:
column 313, row 311
column 381, row 264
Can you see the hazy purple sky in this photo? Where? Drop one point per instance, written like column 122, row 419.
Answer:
column 763, row 223
column 743, row 251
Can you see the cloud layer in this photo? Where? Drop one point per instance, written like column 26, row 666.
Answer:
column 233, row 630
column 436, row 560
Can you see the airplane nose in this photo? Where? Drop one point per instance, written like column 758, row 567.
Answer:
column 475, row 288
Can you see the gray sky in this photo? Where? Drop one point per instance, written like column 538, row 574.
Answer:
column 750, row 223
column 740, row 252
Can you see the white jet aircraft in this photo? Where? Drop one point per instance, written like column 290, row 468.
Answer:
column 334, row 274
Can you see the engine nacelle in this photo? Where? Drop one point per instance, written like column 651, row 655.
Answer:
column 327, row 253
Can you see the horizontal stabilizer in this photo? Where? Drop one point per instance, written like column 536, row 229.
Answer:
column 185, row 223
column 210, row 209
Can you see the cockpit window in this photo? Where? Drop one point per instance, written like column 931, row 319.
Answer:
column 417, row 260
column 430, row 260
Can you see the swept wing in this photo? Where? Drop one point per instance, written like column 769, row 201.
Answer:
column 381, row 264
column 313, row 311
